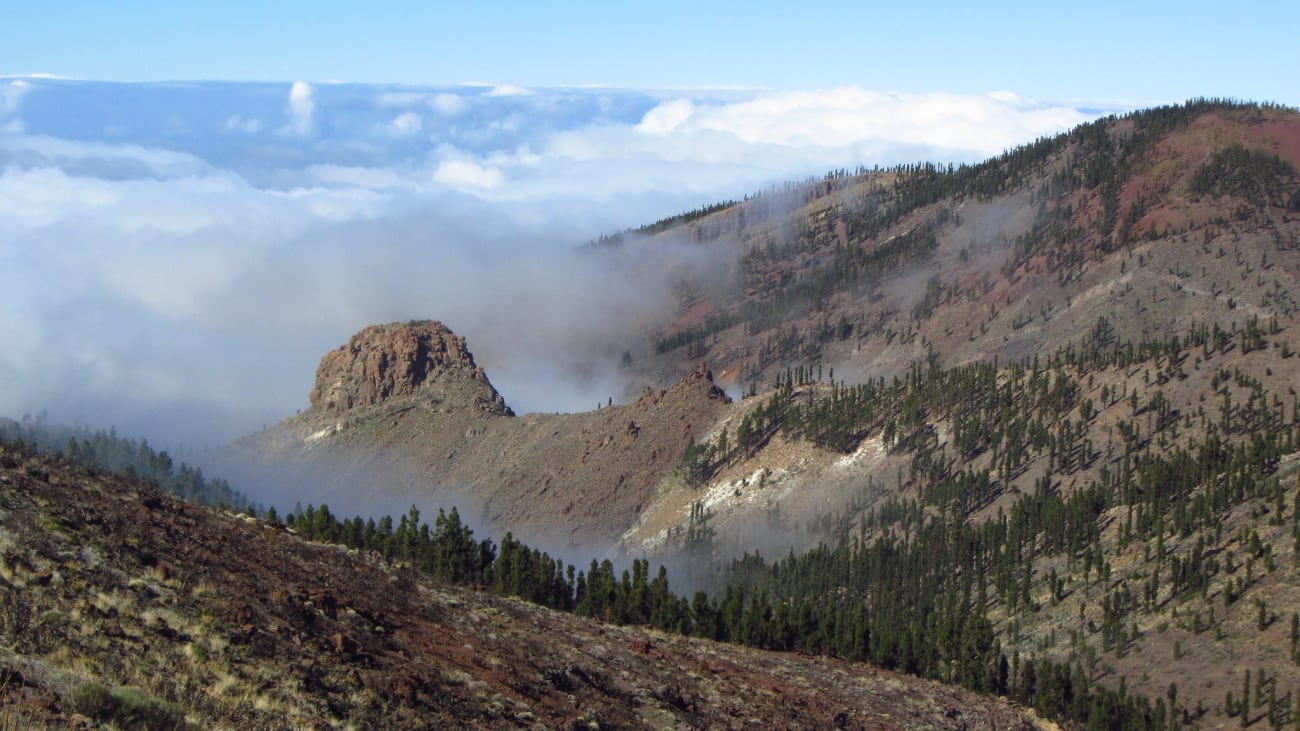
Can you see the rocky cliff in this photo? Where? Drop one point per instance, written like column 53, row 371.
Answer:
column 395, row 361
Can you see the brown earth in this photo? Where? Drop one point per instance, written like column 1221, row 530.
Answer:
column 209, row 619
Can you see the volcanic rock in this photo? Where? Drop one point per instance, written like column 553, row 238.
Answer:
column 387, row 362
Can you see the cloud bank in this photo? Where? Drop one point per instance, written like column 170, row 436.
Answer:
column 175, row 258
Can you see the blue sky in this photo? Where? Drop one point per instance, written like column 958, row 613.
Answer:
column 1140, row 53
column 199, row 209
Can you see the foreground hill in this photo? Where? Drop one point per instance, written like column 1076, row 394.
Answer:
column 122, row 606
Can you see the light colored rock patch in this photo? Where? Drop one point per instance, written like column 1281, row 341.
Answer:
column 319, row 435
column 730, row 494
column 867, row 456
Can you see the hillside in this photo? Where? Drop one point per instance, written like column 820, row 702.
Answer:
column 1062, row 382
column 122, row 606
column 1156, row 220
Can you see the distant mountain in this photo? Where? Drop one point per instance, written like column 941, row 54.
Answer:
column 1081, row 352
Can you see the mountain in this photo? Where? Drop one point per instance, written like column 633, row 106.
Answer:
column 1044, row 406
column 1018, row 255
column 1127, row 231
column 1076, row 356
column 122, row 607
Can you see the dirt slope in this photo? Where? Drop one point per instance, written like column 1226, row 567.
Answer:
column 124, row 603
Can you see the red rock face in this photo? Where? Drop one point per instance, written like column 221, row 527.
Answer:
column 383, row 362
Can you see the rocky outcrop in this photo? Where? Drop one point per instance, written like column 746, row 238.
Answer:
column 399, row 360
column 701, row 378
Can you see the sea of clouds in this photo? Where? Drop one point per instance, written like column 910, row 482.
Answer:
column 176, row 257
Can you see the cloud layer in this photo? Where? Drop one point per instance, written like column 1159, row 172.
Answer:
column 174, row 258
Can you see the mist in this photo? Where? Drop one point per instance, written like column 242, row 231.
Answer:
column 176, row 258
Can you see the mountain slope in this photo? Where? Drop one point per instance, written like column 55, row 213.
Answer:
column 1068, row 371
column 1155, row 219
column 143, row 611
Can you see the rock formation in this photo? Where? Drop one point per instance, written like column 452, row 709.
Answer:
column 399, row 360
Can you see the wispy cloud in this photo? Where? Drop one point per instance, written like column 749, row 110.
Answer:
column 301, row 108
column 242, row 124
column 405, row 125
column 11, row 96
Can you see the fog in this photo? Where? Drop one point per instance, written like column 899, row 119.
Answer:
column 175, row 258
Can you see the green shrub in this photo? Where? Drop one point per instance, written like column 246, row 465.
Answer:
column 94, row 700
column 128, row 707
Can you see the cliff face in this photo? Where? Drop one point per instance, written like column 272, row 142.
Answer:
column 395, row 361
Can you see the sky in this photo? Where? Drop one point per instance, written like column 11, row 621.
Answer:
column 198, row 200
column 1104, row 50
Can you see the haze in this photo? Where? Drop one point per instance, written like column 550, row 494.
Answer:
column 176, row 256
column 179, row 273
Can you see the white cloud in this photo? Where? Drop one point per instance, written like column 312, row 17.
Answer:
column 242, row 124
column 509, row 90
column 467, row 174
column 950, row 124
column 448, row 104
column 12, row 96
column 301, row 108
column 666, row 117
column 404, row 125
